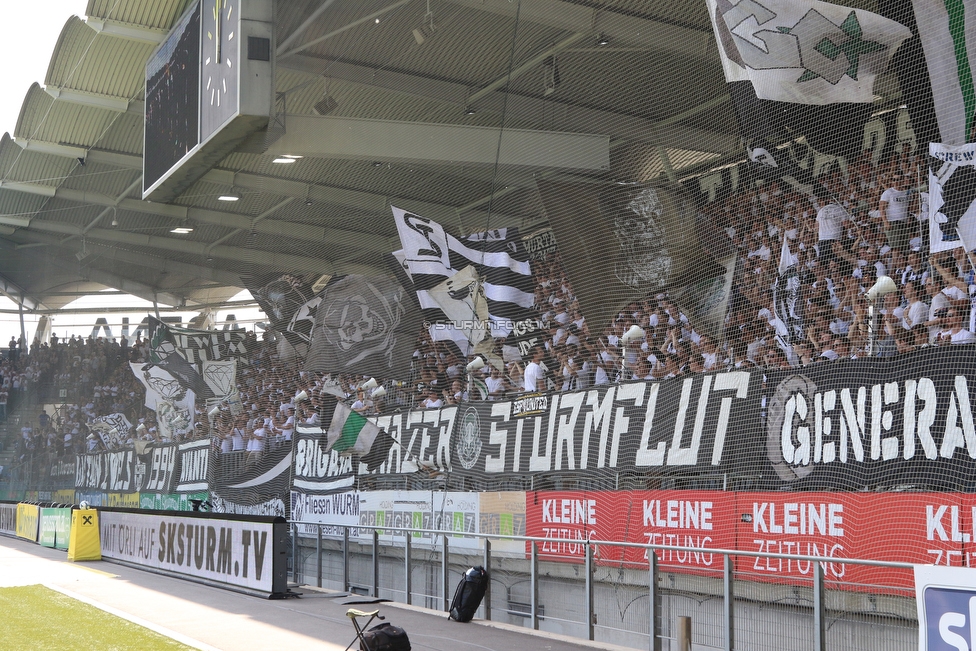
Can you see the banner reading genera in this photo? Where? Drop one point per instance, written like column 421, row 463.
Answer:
column 899, row 421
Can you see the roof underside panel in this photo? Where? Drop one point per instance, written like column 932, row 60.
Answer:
column 154, row 14
column 89, row 62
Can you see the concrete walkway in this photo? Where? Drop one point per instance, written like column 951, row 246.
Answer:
column 210, row 618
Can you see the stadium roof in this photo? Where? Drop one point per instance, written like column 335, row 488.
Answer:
column 642, row 77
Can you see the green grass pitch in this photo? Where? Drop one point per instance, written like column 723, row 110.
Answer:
column 39, row 619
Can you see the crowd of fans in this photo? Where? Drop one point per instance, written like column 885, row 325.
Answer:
column 834, row 242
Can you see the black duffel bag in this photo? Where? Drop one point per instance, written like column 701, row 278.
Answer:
column 470, row 591
column 385, row 637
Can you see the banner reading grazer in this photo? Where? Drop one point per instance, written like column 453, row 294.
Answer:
column 856, row 424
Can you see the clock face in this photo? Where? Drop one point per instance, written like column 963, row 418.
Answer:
column 220, row 59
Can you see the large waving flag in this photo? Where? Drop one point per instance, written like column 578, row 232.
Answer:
column 366, row 325
column 947, row 29
column 350, row 432
column 952, row 196
column 455, row 277
column 622, row 243
column 801, row 70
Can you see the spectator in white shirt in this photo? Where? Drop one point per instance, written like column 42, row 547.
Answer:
column 535, row 376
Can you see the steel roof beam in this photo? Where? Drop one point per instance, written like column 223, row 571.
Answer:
column 97, row 100
column 568, row 117
column 281, row 261
column 126, row 31
column 90, row 155
column 18, row 295
column 388, row 140
column 652, row 35
column 114, row 254
column 109, row 279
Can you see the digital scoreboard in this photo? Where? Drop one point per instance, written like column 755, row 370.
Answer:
column 209, row 86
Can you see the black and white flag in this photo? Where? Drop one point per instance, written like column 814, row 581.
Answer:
column 786, row 295
column 622, row 243
column 172, row 402
column 952, row 196
column 289, row 301
column 802, row 71
column 431, row 257
column 366, row 325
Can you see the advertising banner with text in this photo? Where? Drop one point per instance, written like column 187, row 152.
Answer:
column 923, row 528
column 8, row 519
column 239, row 553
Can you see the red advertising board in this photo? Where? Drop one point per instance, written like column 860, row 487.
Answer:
column 926, row 528
column 702, row 519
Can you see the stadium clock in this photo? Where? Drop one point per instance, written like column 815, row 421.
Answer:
column 220, row 63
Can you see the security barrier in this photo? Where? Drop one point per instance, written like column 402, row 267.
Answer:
column 730, row 600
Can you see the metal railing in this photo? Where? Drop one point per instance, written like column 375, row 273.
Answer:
column 790, row 612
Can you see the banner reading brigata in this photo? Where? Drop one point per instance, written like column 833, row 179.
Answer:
column 237, row 552
column 851, row 424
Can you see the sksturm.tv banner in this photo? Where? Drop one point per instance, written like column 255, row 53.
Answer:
column 855, row 424
column 247, row 554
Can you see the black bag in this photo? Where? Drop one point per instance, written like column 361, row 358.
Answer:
column 385, row 637
column 470, row 591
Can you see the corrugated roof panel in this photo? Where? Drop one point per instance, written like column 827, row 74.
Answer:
column 20, row 203
column 204, row 194
column 36, row 106
column 125, row 134
column 24, row 166
column 72, row 124
column 86, row 61
column 101, row 179
column 69, row 212
column 155, row 14
column 391, row 45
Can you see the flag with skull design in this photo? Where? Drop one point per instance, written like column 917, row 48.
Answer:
column 366, row 325
column 639, row 239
